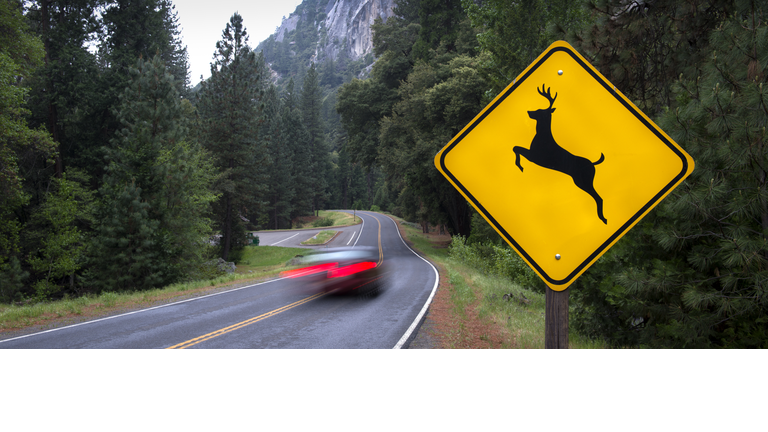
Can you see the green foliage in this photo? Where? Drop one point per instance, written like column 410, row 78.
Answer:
column 436, row 101
column 497, row 260
column 20, row 52
column 56, row 228
column 323, row 222
column 296, row 137
column 231, row 110
column 157, row 191
column 282, row 185
column 642, row 50
column 423, row 89
column 67, row 90
column 717, row 225
column 319, row 167
column 514, row 33
column 16, row 41
column 12, row 278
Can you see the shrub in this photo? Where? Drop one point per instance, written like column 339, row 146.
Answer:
column 496, row 260
column 324, row 222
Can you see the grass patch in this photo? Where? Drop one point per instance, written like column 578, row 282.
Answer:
column 266, row 259
column 320, row 238
column 433, row 246
column 340, row 218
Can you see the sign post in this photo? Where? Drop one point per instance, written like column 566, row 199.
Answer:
column 562, row 165
column 556, row 319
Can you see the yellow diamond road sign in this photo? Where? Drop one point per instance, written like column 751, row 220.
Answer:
column 562, row 165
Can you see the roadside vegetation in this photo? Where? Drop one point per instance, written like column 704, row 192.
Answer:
column 493, row 303
column 326, row 218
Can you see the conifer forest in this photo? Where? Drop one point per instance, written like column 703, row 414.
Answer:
column 117, row 175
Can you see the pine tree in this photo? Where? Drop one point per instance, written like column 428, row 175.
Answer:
column 296, row 137
column 319, row 167
column 134, row 29
column 64, row 88
column 154, row 196
column 281, row 183
column 175, row 56
column 231, row 112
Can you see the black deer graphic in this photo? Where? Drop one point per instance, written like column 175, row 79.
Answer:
column 545, row 153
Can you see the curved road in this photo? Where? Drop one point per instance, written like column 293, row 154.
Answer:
column 276, row 313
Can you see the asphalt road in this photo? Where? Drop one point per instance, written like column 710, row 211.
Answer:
column 274, row 314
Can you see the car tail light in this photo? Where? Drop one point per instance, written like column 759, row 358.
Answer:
column 306, row 271
column 350, row 269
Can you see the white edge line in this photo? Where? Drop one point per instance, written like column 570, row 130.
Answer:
column 410, row 330
column 360, row 233
column 285, row 239
column 138, row 311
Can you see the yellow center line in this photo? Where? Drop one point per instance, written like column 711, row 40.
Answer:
column 242, row 324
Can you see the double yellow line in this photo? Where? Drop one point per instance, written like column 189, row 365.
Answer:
column 242, row 324
column 261, row 317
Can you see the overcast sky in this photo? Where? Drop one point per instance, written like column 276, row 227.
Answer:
column 202, row 22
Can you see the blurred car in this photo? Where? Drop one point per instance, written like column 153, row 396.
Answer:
column 355, row 270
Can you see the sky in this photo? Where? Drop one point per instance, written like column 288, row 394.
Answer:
column 202, row 22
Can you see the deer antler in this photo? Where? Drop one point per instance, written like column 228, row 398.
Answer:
column 547, row 95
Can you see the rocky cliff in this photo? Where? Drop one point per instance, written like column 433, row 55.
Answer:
column 348, row 26
column 326, row 30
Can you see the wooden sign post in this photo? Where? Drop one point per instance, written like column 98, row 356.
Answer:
column 556, row 319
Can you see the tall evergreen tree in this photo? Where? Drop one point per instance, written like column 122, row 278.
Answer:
column 64, row 88
column 231, row 112
column 319, row 167
column 296, row 137
column 133, row 29
column 153, row 203
column 281, row 184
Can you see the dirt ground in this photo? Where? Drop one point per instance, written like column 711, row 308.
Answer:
column 443, row 328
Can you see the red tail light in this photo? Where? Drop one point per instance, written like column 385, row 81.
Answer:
column 350, row 269
column 306, row 271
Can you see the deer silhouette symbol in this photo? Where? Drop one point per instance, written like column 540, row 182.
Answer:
column 546, row 153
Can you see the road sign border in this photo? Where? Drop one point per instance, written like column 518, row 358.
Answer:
column 566, row 48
